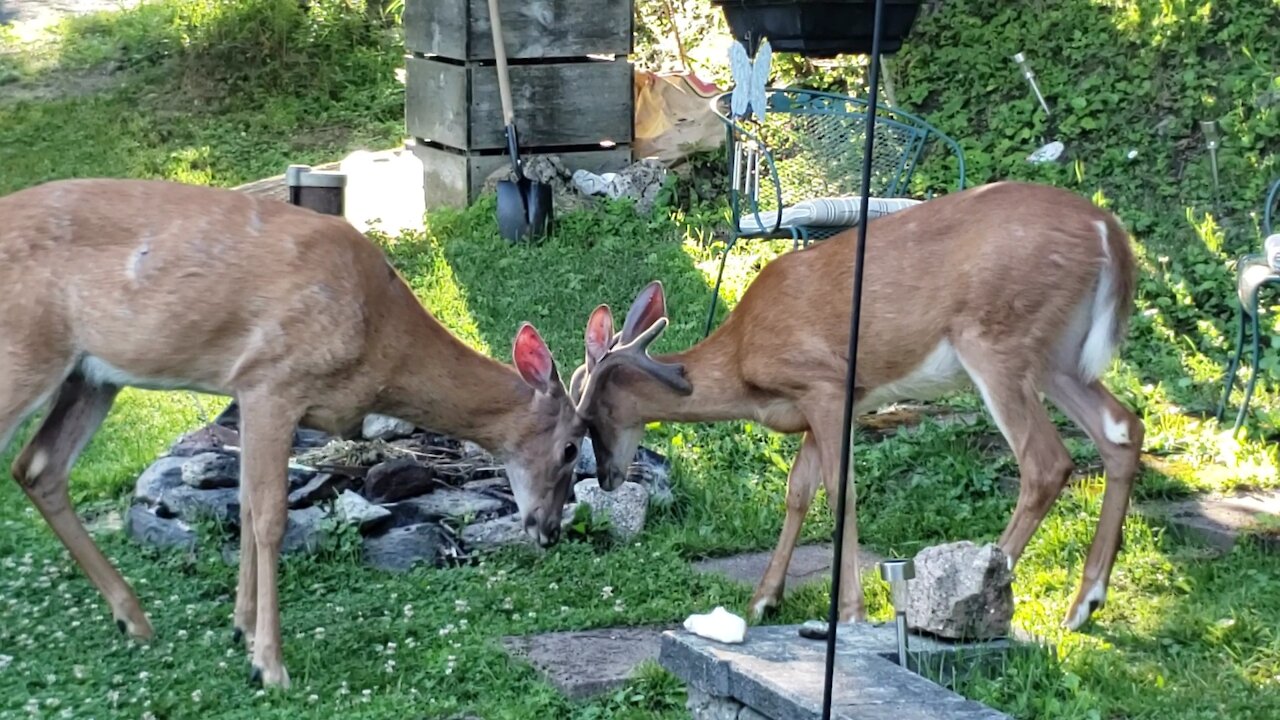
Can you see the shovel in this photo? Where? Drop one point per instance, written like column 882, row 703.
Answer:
column 524, row 206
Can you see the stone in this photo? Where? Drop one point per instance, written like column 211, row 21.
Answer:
column 210, row 438
column 305, row 531
column 809, row 563
column 471, row 450
column 352, row 508
column 161, row 475
column 586, row 465
column 193, row 505
column 506, row 530
column 210, row 470
column 498, row 486
column 385, row 427
column 653, row 471
column 961, row 591
column 586, row 663
column 400, row 548
column 395, row 480
column 1218, row 521
column 307, row 439
column 705, row 706
column 626, row 507
column 455, row 503
column 321, row 487
column 143, row 525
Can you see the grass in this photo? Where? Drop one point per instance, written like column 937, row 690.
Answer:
column 1185, row 634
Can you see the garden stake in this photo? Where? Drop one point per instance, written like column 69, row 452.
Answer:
column 846, row 441
column 897, row 573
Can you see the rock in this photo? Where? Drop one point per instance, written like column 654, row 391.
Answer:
column 319, row 488
column 704, row 706
column 397, row 550
column 193, row 505
column 625, row 507
column 586, row 466
column 306, row 439
column 305, row 531
column 587, row 663
column 506, row 530
column 144, row 526
column 653, row 471
column 454, row 503
column 210, row 470
column 497, row 486
column 385, row 427
column 352, row 508
column 961, row 591
column 162, row 475
column 230, row 416
column 210, row 438
column 395, row 480
column 472, row 450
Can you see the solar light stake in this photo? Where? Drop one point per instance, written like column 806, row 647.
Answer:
column 1211, row 140
column 1021, row 60
column 897, row 573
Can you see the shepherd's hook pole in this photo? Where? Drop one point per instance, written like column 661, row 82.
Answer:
column 846, row 441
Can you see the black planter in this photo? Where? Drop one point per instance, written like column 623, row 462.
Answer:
column 819, row 28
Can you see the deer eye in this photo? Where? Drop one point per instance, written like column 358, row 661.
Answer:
column 570, row 453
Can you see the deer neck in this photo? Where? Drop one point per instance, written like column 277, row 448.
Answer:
column 719, row 393
column 442, row 384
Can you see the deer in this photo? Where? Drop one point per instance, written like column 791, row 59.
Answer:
column 294, row 314
column 1017, row 289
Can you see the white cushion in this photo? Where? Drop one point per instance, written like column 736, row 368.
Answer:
column 828, row 212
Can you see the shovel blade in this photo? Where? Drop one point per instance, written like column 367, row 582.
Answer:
column 513, row 214
column 540, row 208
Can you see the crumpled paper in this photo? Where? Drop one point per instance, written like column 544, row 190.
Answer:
column 719, row 625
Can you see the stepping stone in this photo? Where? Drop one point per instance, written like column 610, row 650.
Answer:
column 808, row 564
column 589, row 662
column 1219, row 520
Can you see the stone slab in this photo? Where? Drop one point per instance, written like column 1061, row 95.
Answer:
column 589, row 662
column 780, row 675
column 808, row 564
column 1219, row 520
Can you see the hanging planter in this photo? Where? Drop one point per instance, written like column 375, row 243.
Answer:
column 819, row 28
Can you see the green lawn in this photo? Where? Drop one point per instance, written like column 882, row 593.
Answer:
column 1184, row 634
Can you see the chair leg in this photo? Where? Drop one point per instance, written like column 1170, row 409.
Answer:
column 715, row 293
column 1232, row 366
column 1253, row 370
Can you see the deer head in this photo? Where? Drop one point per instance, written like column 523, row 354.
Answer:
column 602, row 387
column 541, row 456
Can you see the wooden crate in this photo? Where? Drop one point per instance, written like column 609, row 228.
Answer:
column 531, row 29
column 555, row 104
column 454, row 178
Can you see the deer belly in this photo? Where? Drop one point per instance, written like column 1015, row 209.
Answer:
column 938, row 374
column 100, row 372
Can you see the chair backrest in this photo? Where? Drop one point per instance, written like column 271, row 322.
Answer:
column 812, row 145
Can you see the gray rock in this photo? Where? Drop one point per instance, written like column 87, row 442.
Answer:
column 586, row 466
column 961, row 591
column 395, row 480
column 385, row 427
column 471, row 450
column 162, row 475
column 506, row 530
column 193, row 505
column 455, row 503
column 210, row 438
column 497, row 486
column 305, row 531
column 704, row 706
column 399, row 549
column 352, row 508
column 144, row 526
column 210, row 470
column 625, row 507
column 320, row 488
column 306, row 438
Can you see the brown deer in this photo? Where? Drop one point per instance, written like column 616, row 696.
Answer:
column 1017, row 289
column 294, row 314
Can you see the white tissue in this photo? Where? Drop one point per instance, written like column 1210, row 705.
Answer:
column 719, row 625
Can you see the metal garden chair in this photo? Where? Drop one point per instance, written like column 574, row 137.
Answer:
column 798, row 173
column 1253, row 273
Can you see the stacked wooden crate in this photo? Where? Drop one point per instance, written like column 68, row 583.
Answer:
column 571, row 87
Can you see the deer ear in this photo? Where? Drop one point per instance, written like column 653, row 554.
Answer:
column 533, row 359
column 649, row 305
column 599, row 335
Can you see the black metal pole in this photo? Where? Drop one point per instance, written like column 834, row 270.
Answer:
column 846, row 441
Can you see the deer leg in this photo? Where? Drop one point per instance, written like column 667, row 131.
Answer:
column 245, row 618
column 267, row 428
column 1043, row 461
column 852, row 606
column 42, row 469
column 1118, row 434
column 802, row 484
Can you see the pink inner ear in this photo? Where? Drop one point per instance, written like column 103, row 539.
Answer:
column 599, row 333
column 649, row 305
column 532, row 357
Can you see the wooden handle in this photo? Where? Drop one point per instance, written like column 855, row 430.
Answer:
column 500, row 56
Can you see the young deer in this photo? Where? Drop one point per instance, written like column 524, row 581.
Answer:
column 295, row 314
column 1016, row 288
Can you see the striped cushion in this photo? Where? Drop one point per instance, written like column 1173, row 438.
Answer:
column 826, row 212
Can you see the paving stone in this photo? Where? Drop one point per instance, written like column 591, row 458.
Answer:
column 808, row 563
column 590, row 662
column 1219, row 520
